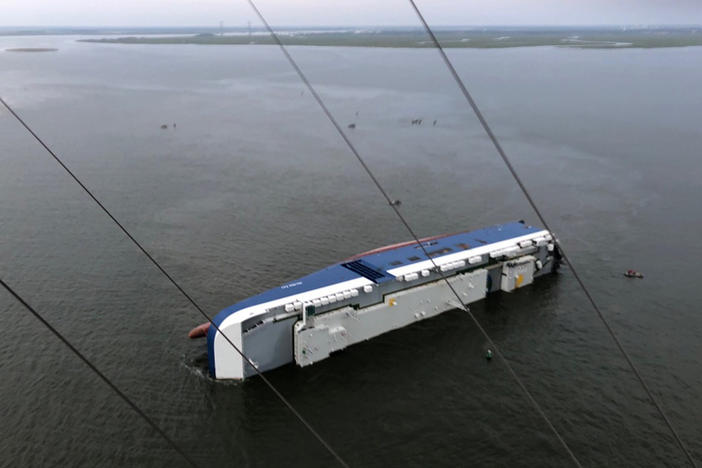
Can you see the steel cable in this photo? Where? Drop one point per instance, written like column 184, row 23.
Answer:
column 178, row 286
column 97, row 371
column 526, row 193
column 395, row 208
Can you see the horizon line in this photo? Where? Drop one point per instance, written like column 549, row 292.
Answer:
column 216, row 26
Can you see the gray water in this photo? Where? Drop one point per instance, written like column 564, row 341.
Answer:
column 254, row 188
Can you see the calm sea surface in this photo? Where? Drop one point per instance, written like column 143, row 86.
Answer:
column 249, row 187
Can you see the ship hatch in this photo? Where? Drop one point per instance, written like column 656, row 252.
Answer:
column 367, row 270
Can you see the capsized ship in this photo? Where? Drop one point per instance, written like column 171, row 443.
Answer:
column 308, row 319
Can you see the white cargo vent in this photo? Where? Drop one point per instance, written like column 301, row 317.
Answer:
column 326, row 300
column 453, row 265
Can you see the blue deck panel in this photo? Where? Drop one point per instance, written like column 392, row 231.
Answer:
column 472, row 239
column 337, row 273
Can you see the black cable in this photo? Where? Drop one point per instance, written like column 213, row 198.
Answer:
column 182, row 291
column 516, row 177
column 395, row 208
column 97, row 371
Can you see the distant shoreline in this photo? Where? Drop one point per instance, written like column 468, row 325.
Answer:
column 585, row 38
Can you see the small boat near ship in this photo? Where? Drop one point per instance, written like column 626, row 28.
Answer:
column 306, row 320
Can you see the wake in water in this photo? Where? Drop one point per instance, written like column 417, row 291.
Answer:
column 198, row 366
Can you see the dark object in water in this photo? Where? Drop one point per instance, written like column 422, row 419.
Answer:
column 352, row 125
column 633, row 274
column 164, row 126
column 396, row 203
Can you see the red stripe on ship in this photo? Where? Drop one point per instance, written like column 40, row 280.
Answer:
column 397, row 246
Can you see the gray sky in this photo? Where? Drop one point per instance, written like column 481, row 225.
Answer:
column 347, row 12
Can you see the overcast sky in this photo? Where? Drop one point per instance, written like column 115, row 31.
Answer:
column 347, row 12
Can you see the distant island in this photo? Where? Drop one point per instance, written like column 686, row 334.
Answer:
column 32, row 49
column 492, row 37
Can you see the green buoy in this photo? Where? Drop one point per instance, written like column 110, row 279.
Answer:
column 488, row 354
